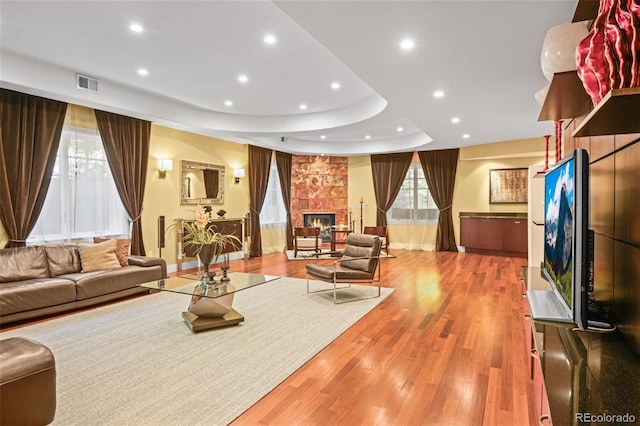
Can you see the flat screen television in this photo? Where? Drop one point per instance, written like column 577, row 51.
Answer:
column 567, row 248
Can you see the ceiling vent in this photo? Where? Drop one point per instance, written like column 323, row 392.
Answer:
column 84, row 82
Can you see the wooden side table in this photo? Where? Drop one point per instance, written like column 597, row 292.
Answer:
column 336, row 231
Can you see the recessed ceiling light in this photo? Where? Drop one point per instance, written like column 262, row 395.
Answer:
column 323, row 136
column 400, row 129
column 228, row 103
column 303, row 106
column 367, row 137
column 407, row 44
column 136, row 28
column 270, row 39
column 143, row 71
column 335, row 85
column 466, row 136
column 242, row 78
column 455, row 120
column 438, row 94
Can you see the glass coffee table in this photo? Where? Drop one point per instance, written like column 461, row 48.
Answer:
column 211, row 304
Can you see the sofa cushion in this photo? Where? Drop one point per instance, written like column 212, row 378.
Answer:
column 98, row 283
column 122, row 249
column 99, row 256
column 36, row 293
column 23, row 263
column 62, row 259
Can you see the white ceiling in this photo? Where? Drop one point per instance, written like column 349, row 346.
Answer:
column 485, row 56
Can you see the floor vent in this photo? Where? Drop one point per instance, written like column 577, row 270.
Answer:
column 84, row 82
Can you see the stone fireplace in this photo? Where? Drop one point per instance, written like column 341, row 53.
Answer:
column 324, row 221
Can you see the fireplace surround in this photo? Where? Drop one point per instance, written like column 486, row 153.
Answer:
column 324, row 221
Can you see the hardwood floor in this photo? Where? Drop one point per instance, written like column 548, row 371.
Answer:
column 447, row 347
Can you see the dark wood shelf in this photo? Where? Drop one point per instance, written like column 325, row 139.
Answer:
column 586, row 10
column 566, row 98
column 617, row 113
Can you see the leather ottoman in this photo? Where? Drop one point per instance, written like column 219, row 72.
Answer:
column 27, row 382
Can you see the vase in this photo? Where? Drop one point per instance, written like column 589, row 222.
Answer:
column 608, row 57
column 205, row 254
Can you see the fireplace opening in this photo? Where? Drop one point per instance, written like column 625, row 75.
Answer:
column 324, row 221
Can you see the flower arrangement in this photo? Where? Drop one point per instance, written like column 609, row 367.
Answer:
column 199, row 233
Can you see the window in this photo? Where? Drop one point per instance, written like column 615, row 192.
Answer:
column 82, row 200
column 273, row 210
column 414, row 203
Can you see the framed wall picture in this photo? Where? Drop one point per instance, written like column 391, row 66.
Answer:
column 508, row 186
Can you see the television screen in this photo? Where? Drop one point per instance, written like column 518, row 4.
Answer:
column 567, row 251
column 559, row 228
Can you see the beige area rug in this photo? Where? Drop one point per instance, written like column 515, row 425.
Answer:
column 303, row 255
column 137, row 363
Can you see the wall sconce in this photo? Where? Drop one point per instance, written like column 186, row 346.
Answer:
column 238, row 173
column 164, row 166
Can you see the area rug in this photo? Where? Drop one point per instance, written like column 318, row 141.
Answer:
column 325, row 254
column 137, row 363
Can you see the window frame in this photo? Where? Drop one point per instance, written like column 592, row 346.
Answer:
column 413, row 179
column 62, row 177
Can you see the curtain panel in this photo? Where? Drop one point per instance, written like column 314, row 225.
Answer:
column 30, row 129
column 440, row 171
column 389, row 171
column 126, row 143
column 284, row 163
column 259, row 167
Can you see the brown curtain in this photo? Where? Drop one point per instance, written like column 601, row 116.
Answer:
column 30, row 129
column 440, row 171
column 126, row 143
column 284, row 162
column 389, row 171
column 211, row 183
column 259, row 165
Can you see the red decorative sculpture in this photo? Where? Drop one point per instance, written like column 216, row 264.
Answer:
column 609, row 57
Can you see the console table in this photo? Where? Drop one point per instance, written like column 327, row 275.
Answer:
column 579, row 377
column 494, row 233
column 235, row 227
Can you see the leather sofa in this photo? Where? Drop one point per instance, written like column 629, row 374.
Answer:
column 43, row 280
column 27, row 382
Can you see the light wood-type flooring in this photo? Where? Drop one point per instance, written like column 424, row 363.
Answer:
column 446, row 348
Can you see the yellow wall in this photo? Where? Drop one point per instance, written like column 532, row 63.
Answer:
column 472, row 178
column 471, row 193
column 162, row 195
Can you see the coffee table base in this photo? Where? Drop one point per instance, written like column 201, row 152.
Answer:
column 197, row 323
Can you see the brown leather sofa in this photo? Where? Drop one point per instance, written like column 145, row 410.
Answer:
column 43, row 280
column 27, row 383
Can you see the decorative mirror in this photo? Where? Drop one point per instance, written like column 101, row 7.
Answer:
column 202, row 183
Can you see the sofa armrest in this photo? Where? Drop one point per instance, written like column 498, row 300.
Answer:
column 149, row 261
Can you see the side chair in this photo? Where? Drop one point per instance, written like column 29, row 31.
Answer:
column 306, row 239
column 360, row 263
column 380, row 231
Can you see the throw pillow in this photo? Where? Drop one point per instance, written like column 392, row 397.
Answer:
column 100, row 256
column 122, row 251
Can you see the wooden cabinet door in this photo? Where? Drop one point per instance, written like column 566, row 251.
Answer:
column 230, row 227
column 514, row 235
column 481, row 233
